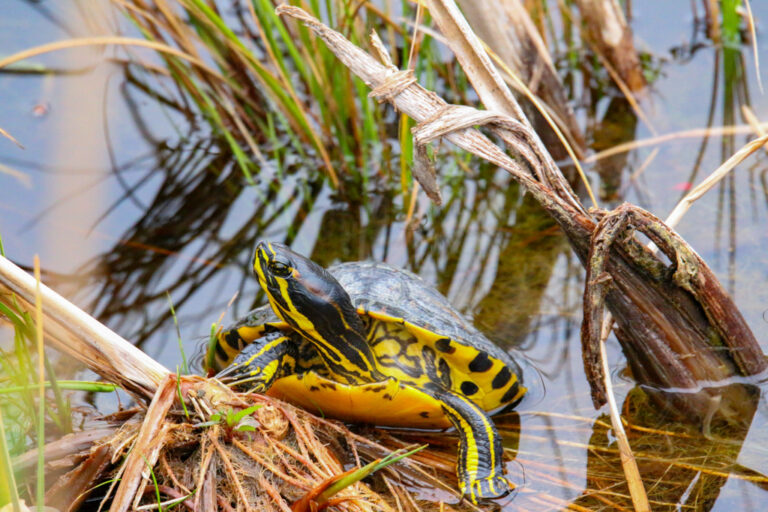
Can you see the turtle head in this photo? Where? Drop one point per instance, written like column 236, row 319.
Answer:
column 304, row 294
column 309, row 299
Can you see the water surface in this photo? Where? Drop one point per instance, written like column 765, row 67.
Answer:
column 128, row 199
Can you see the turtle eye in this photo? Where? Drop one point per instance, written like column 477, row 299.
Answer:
column 279, row 269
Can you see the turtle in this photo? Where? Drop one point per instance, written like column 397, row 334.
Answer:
column 365, row 342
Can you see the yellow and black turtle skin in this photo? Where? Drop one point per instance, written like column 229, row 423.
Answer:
column 369, row 343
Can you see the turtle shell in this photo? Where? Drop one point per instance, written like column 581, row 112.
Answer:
column 398, row 293
column 419, row 340
column 410, row 325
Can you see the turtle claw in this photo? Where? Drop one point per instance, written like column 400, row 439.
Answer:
column 490, row 488
column 239, row 376
column 228, row 374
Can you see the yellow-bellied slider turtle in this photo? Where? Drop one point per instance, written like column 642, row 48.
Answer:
column 369, row 343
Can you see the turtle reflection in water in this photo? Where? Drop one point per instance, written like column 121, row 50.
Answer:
column 369, row 343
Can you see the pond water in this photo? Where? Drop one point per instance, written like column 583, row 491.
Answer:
column 127, row 200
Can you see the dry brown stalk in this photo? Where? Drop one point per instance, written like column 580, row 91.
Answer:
column 507, row 28
column 146, row 448
column 106, row 40
column 276, row 498
column 668, row 137
column 753, row 37
column 208, row 495
column 496, row 97
column 609, row 31
column 554, row 124
column 68, row 493
column 628, row 462
column 204, row 474
column 83, row 337
column 70, row 444
column 713, row 179
column 234, row 477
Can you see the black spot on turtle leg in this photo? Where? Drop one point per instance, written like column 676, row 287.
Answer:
column 469, row 388
column 444, row 345
column 511, row 393
column 481, row 363
column 502, row 378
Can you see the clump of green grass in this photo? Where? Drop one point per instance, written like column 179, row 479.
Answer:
column 25, row 419
column 278, row 90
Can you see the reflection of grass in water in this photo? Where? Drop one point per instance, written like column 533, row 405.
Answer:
column 729, row 68
column 681, row 466
column 191, row 237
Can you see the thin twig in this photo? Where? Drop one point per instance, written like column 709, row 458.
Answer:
column 550, row 121
column 11, row 138
column 702, row 188
column 628, row 463
column 753, row 34
column 667, row 137
column 110, row 41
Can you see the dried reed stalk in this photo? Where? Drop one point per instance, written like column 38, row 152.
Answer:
column 83, row 337
column 507, row 28
column 609, row 32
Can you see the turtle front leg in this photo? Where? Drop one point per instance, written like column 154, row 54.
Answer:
column 479, row 466
column 262, row 362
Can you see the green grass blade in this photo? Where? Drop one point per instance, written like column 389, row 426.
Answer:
column 235, row 418
column 154, row 481
column 210, row 354
column 731, row 22
column 178, row 392
column 70, row 385
column 184, row 366
column 8, row 492
column 61, row 413
column 280, row 91
column 40, row 490
column 364, row 471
